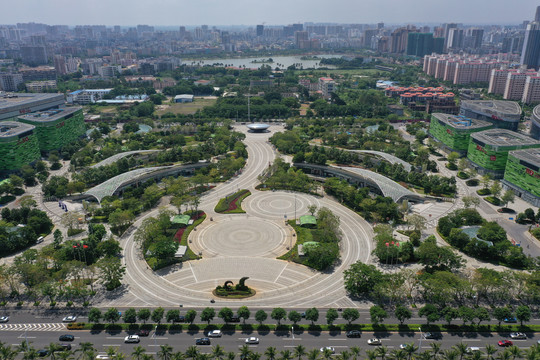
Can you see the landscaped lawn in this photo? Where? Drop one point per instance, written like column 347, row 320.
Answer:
column 185, row 108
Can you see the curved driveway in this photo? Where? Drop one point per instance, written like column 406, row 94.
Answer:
column 237, row 245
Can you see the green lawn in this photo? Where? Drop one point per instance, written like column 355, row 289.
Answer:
column 185, row 108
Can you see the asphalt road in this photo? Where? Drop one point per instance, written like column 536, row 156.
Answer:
column 232, row 341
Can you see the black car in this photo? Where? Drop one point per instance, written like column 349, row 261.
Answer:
column 42, row 353
column 66, row 337
column 65, row 347
column 235, row 318
column 181, row 318
column 143, row 333
column 202, row 341
column 433, row 336
column 354, row 334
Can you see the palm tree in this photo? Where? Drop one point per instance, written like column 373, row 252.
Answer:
column 6, row 352
column 86, row 350
column 371, row 354
column 148, row 357
column 435, row 349
column 179, row 355
column 516, row 352
column 490, row 350
column 218, row 352
column 327, row 353
column 203, row 356
column 382, row 352
column 345, row 355
column 231, row 355
column 450, row 354
column 410, row 349
column 255, row 355
column 285, row 354
column 299, row 351
column 477, row 355
column 270, row 353
column 138, row 352
column 313, row 354
column 532, row 353
column 165, row 352
column 461, row 348
column 192, row 352
column 399, row 354
column 111, row 352
column 30, row 353
column 62, row 355
column 244, row 352
column 426, row 355
column 52, row 349
column 355, row 350
column 505, row 355
column 120, row 356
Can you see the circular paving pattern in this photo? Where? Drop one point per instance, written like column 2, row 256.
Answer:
column 277, row 205
column 242, row 237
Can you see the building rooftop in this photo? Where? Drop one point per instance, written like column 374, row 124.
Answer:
column 532, row 156
column 500, row 108
column 50, row 115
column 536, row 112
column 258, row 126
column 13, row 128
column 8, row 100
column 503, row 137
column 460, row 122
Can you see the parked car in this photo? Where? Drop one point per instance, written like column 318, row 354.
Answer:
column 132, row 339
column 252, row 340
column 374, row 341
column 181, row 318
column 403, row 346
column 214, row 333
column 66, row 337
column 102, row 357
column 329, row 348
column 65, row 347
column 42, row 353
column 202, row 341
column 143, row 333
column 354, row 334
column 510, row 320
column 505, row 343
column 472, row 349
column 518, row 335
column 70, row 318
column 4, row 319
column 235, row 318
column 432, row 336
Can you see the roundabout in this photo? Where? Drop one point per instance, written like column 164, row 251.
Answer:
column 247, row 245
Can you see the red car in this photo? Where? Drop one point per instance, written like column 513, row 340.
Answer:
column 505, row 343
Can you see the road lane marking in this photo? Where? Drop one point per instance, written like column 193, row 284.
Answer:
column 111, row 345
column 336, row 339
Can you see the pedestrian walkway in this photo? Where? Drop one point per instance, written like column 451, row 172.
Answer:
column 33, row 327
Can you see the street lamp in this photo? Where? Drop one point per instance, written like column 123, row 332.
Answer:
column 420, row 344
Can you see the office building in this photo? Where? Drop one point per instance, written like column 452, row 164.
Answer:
column 502, row 114
column 13, row 105
column 87, row 96
column 454, row 132
column 488, row 150
column 522, row 174
column 327, row 86
column 56, row 128
column 38, row 73
column 34, row 55
column 41, row 86
column 10, row 82
column 530, row 55
column 18, row 145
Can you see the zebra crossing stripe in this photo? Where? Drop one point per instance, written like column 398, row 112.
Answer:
column 33, row 327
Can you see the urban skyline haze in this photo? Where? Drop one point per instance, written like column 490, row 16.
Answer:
column 278, row 12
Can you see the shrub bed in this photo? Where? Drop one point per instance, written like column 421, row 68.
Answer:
column 472, row 182
column 493, row 200
column 463, row 175
column 483, row 192
column 232, row 204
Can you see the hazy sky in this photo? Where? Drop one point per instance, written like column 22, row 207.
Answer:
column 250, row 12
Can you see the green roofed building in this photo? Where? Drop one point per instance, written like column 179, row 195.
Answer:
column 308, row 220
column 522, row 174
column 18, row 145
column 181, row 219
column 56, row 128
column 488, row 150
column 454, row 131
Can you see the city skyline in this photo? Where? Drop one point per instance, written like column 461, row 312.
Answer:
column 278, row 12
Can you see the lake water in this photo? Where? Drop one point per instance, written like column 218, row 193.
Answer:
column 279, row 61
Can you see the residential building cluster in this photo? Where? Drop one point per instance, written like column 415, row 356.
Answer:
column 427, row 99
column 516, row 84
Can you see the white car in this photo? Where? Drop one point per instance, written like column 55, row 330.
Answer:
column 4, row 319
column 329, row 348
column 132, row 339
column 70, row 318
column 403, row 346
column 374, row 341
column 518, row 335
column 102, row 357
column 214, row 333
column 252, row 340
column 472, row 349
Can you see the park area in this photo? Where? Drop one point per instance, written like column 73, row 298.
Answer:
column 185, row 108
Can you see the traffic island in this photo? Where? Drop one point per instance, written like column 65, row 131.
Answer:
column 239, row 291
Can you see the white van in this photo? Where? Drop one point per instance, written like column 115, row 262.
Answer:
column 40, row 239
column 472, row 349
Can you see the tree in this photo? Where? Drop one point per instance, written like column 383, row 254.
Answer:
column 278, row 314
column 508, row 197
column 271, row 353
column 299, row 351
column 94, row 315
column 27, row 202
column 130, row 316
column 294, row 316
column 111, row 272
column 481, row 314
column 469, row 201
column 501, row 313
column 218, row 352
column 226, row 314
column 430, row 312
column 208, row 314
column 58, row 238
column 452, row 157
column 190, row 316
column 173, row 315
column 417, row 222
column 496, row 189
column 165, row 352
column 261, row 316
column 157, row 314
column 466, row 314
column 523, row 313
column 377, row 314
column 143, row 315
column 312, row 315
column 331, row 316
column 350, row 315
column 449, row 314
column 244, row 313
column 111, row 315
column 312, row 209
column 486, row 180
column 402, row 313
column 360, row 278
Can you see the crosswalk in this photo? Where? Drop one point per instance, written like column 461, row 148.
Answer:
column 33, row 327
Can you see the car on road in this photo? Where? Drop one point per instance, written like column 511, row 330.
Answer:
column 505, row 343
column 432, row 336
column 518, row 335
column 66, row 337
column 404, row 346
column 472, row 349
column 202, row 341
column 214, row 333
column 143, row 333
column 510, row 320
column 235, row 319
column 102, row 357
column 303, row 315
column 252, row 340
column 4, row 319
column 70, row 318
column 132, row 339
column 181, row 318
column 65, row 347
column 332, row 350
column 374, row 341
column 42, row 353
column 354, row 334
